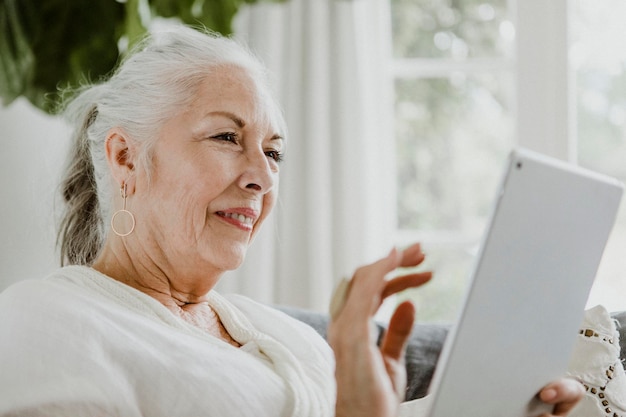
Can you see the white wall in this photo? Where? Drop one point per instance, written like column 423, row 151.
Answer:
column 32, row 155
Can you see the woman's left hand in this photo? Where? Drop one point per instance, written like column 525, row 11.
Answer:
column 371, row 380
column 564, row 394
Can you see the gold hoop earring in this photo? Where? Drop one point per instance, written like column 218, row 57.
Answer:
column 124, row 212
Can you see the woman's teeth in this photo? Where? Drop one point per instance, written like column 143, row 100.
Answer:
column 243, row 219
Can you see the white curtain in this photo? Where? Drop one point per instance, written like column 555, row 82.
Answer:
column 336, row 209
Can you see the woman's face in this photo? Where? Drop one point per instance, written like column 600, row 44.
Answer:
column 214, row 177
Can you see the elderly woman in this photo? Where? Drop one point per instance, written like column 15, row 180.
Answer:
column 174, row 167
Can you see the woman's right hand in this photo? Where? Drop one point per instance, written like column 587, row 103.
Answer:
column 564, row 394
column 371, row 380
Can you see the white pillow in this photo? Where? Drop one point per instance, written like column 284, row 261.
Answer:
column 596, row 362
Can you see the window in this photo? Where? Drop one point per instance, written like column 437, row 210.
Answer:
column 598, row 59
column 469, row 77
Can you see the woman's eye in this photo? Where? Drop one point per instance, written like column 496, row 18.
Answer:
column 277, row 156
column 228, row 137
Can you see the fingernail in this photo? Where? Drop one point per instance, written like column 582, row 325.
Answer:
column 549, row 394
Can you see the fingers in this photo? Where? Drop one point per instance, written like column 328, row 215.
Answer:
column 398, row 331
column 412, row 256
column 365, row 289
column 564, row 394
column 368, row 282
column 404, row 282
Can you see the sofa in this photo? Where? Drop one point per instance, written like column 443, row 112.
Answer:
column 425, row 345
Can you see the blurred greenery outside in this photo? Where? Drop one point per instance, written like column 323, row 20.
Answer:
column 453, row 131
column 452, row 134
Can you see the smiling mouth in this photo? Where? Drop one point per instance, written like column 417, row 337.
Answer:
column 248, row 221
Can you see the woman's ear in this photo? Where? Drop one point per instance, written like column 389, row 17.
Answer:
column 120, row 154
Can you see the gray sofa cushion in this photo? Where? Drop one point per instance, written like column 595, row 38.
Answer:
column 422, row 354
column 424, row 346
column 621, row 326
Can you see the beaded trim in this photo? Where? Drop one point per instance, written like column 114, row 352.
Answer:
column 598, row 391
column 593, row 333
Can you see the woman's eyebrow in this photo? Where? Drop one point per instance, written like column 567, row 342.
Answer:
column 238, row 121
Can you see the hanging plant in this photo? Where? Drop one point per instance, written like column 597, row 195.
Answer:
column 48, row 45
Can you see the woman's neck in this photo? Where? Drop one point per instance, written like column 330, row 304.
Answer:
column 154, row 275
column 185, row 296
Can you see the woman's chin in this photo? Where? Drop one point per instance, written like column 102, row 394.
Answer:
column 229, row 259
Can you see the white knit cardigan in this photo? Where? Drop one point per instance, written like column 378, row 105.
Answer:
column 80, row 343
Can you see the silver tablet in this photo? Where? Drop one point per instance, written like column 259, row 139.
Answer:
column 528, row 289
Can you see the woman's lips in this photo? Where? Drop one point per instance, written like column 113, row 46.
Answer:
column 242, row 218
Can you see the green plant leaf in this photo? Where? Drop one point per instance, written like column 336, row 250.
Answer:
column 56, row 43
column 213, row 14
column 134, row 29
column 16, row 57
column 47, row 45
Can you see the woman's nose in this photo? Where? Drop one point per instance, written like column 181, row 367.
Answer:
column 258, row 175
